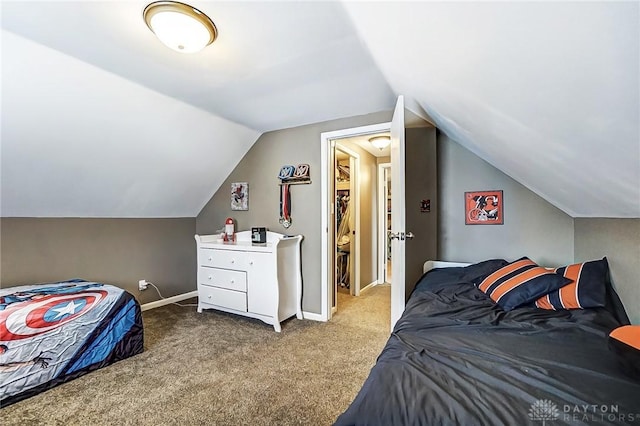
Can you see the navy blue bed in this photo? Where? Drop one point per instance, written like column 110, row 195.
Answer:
column 456, row 358
column 52, row 333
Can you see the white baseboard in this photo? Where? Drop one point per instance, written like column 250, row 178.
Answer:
column 373, row 283
column 169, row 300
column 313, row 316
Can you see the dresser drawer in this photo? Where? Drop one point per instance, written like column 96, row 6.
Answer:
column 227, row 259
column 224, row 278
column 224, row 298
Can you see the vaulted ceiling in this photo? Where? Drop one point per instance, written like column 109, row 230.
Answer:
column 101, row 120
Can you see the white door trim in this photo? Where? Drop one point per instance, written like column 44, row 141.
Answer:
column 382, row 223
column 325, row 146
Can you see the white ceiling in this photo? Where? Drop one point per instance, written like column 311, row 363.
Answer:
column 548, row 92
column 100, row 119
column 78, row 141
column 274, row 64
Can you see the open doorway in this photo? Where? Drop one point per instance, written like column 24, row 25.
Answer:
column 424, row 150
column 346, row 223
column 353, row 221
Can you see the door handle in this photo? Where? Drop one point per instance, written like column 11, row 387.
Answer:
column 401, row 236
column 396, row 236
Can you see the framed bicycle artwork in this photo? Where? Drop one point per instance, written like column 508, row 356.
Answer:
column 483, row 208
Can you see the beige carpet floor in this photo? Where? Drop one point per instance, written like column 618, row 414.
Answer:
column 220, row 369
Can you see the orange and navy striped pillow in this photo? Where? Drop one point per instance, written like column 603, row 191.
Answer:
column 587, row 289
column 520, row 282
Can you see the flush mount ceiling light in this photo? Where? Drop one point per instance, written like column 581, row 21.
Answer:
column 380, row 142
column 179, row 26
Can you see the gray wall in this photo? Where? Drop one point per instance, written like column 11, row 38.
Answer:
column 113, row 251
column 532, row 226
column 421, row 182
column 122, row 251
column 260, row 167
column 457, row 170
column 619, row 241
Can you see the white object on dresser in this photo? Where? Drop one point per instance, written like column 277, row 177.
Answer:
column 257, row 281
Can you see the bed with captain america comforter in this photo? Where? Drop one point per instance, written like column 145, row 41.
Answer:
column 53, row 333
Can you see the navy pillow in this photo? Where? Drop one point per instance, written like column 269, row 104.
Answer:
column 520, row 282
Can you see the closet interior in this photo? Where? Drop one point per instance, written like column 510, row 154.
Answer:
column 344, row 224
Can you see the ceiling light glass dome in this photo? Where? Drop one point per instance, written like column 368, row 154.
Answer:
column 179, row 26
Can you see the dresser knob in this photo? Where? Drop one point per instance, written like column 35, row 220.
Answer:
column 251, row 262
column 233, row 261
column 210, row 277
column 209, row 296
column 233, row 281
column 210, row 259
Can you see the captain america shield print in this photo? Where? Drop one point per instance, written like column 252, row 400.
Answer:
column 44, row 313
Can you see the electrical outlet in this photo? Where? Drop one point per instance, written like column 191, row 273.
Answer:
column 142, row 285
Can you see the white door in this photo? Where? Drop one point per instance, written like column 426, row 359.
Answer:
column 397, row 233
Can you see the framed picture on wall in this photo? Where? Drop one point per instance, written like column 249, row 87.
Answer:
column 483, row 208
column 240, row 196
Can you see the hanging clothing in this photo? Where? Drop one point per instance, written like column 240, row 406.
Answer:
column 342, row 202
column 343, row 240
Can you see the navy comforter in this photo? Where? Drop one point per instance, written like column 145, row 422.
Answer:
column 455, row 358
column 55, row 332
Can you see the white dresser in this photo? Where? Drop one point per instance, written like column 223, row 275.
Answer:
column 257, row 281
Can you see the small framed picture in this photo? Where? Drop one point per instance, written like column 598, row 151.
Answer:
column 240, row 196
column 483, row 208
